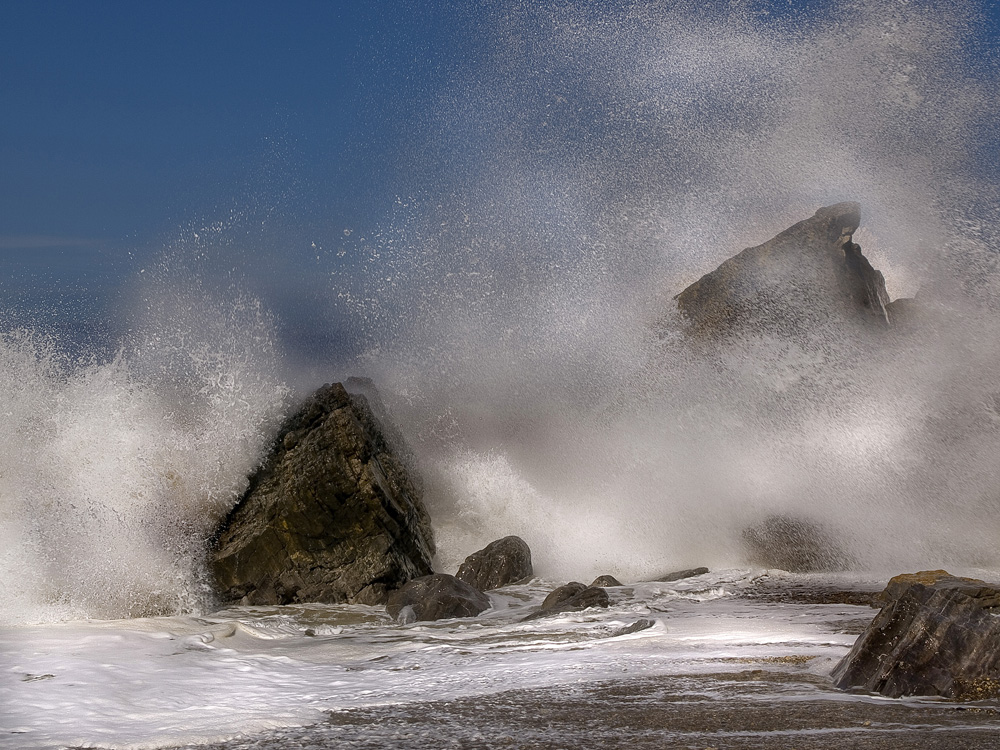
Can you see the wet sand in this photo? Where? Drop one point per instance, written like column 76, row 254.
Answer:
column 764, row 706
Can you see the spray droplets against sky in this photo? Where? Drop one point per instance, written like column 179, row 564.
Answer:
column 564, row 173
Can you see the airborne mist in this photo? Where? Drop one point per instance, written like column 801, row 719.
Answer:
column 596, row 162
column 581, row 168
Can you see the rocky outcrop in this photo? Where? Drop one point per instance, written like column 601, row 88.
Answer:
column 808, row 276
column 571, row 597
column 332, row 515
column 793, row 544
column 436, row 597
column 504, row 561
column 935, row 635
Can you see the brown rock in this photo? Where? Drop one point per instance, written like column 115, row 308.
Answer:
column 571, row 597
column 332, row 515
column 806, row 277
column 501, row 562
column 935, row 635
column 436, row 597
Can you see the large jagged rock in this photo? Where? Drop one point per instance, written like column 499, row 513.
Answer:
column 501, row 562
column 436, row 597
column 332, row 515
column 936, row 634
column 810, row 275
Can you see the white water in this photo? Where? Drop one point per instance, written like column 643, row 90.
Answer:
column 113, row 474
column 171, row 680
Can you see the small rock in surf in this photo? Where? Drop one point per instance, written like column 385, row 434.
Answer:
column 436, row 597
column 502, row 562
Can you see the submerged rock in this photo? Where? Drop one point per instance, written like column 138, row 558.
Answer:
column 605, row 580
column 436, row 597
column 810, row 275
column 571, row 597
column 331, row 516
column 935, row 635
column 504, row 561
column 639, row 625
column 679, row 575
column 794, row 545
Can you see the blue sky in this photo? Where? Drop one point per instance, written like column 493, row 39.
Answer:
column 125, row 125
column 125, row 118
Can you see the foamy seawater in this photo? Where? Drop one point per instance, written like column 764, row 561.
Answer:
column 172, row 680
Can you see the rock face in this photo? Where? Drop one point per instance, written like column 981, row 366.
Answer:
column 935, row 635
column 810, row 275
column 436, row 597
column 331, row 516
column 572, row 597
column 501, row 562
column 795, row 545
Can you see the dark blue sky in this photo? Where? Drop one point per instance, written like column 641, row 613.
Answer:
column 125, row 124
column 122, row 118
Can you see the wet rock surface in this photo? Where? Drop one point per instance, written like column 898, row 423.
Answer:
column 637, row 626
column 502, row 562
column 571, row 597
column 790, row 591
column 679, row 575
column 333, row 515
column 936, row 634
column 605, row 580
column 809, row 276
column 436, row 597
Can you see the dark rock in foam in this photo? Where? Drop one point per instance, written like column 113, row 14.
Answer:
column 637, row 626
column 808, row 276
column 331, row 516
column 605, row 580
column 679, row 575
column 501, row 562
column 436, row 597
column 935, row 635
column 571, row 597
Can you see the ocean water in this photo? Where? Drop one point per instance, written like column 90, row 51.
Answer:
column 158, row 681
column 516, row 315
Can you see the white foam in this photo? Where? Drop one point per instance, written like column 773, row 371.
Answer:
column 156, row 681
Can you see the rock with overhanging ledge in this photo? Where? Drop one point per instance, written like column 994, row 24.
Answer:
column 809, row 276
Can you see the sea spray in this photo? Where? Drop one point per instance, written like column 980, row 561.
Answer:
column 115, row 472
column 599, row 161
column 585, row 166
